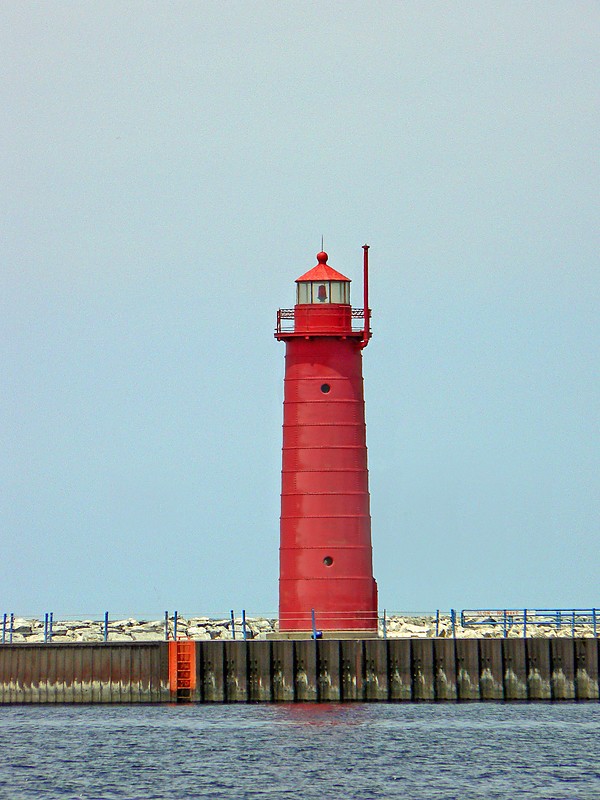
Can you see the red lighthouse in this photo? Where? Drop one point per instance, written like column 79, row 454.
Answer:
column 325, row 547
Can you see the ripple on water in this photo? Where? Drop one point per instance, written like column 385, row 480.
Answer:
column 308, row 751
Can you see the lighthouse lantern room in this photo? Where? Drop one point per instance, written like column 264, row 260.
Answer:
column 326, row 573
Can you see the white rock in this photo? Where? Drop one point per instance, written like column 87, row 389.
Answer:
column 148, row 626
column 37, row 637
column 198, row 633
column 91, row 636
column 73, row 624
column 22, row 626
column 262, row 625
column 144, row 630
column 59, row 630
column 413, row 629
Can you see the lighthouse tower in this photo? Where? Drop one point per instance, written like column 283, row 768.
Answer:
column 326, row 573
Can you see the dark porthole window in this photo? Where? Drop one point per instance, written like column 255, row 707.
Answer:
column 328, row 561
column 325, row 388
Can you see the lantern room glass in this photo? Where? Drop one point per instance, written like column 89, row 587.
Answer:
column 319, row 292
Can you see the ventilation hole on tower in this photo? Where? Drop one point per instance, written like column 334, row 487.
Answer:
column 328, row 561
column 325, row 388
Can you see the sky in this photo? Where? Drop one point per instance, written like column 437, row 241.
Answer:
column 169, row 169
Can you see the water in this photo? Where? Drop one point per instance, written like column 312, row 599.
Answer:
column 354, row 752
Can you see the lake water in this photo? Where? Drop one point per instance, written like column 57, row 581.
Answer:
column 355, row 752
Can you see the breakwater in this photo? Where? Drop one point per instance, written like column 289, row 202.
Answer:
column 441, row 669
column 16, row 629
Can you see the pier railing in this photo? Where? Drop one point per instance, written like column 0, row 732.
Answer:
column 550, row 618
column 244, row 626
column 286, row 320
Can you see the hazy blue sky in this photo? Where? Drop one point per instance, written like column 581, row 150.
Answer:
column 168, row 170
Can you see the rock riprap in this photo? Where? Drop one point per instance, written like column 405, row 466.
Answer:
column 27, row 629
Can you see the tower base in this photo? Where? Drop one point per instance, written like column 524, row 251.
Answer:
column 293, row 635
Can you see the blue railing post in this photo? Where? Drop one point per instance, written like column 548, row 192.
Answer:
column 524, row 623
column 50, row 625
column 166, row 626
column 232, row 624
column 384, row 624
column 504, row 623
column 453, row 620
column 244, row 631
column 106, row 626
column 175, row 625
column 314, row 623
column 593, row 620
column 437, row 622
column 4, row 618
column 573, row 625
column 46, row 627
column 12, row 626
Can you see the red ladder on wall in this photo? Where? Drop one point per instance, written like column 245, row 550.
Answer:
column 182, row 670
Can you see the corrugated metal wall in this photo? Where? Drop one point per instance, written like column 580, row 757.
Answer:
column 301, row 671
column 82, row 673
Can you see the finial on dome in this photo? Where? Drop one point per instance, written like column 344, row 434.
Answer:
column 322, row 257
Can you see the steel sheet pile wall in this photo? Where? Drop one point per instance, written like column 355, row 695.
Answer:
column 84, row 673
column 305, row 671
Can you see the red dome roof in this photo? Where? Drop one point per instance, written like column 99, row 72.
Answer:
column 322, row 272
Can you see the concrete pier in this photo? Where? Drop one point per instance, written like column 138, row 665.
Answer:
column 328, row 670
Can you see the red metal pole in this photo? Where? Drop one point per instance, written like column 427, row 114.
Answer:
column 366, row 311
